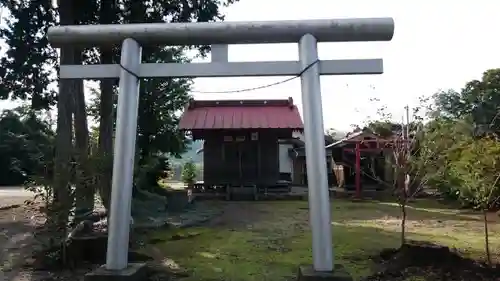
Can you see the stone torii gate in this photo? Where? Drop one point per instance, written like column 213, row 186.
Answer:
column 307, row 33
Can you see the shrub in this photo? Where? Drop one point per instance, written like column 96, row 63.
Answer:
column 189, row 173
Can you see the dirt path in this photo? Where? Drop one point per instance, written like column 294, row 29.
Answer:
column 17, row 225
column 13, row 195
column 16, row 242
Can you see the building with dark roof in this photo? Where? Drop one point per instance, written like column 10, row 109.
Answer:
column 241, row 138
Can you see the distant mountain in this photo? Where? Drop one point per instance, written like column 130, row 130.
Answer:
column 191, row 154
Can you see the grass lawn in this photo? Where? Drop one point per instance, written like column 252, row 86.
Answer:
column 268, row 240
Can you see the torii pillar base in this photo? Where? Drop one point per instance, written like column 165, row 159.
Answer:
column 133, row 272
column 307, row 273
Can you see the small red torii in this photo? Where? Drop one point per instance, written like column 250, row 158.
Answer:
column 380, row 144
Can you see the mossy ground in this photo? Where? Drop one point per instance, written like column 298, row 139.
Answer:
column 268, row 240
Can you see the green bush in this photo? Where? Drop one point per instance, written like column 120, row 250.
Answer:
column 478, row 168
column 148, row 174
column 189, row 173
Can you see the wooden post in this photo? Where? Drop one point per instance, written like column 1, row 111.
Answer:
column 358, row 171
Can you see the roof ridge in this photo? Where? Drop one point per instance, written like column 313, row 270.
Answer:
column 235, row 115
column 240, row 103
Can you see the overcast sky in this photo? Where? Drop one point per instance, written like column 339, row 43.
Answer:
column 437, row 45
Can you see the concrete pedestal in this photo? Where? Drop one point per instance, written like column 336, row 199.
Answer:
column 307, row 273
column 134, row 272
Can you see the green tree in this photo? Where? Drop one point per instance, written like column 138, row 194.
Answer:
column 26, row 141
column 29, row 73
column 457, row 115
column 334, row 135
column 479, row 100
column 439, row 153
column 27, row 66
column 189, row 173
column 477, row 168
column 384, row 128
column 160, row 99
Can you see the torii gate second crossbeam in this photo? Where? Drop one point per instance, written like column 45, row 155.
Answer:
column 306, row 33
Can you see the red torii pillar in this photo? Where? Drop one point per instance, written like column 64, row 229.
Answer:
column 357, row 167
column 357, row 152
column 358, row 170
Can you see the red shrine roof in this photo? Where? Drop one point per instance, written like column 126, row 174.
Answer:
column 241, row 114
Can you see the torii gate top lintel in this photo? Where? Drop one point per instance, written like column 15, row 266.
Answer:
column 209, row 33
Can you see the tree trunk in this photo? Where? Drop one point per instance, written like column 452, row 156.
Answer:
column 106, row 137
column 62, row 201
column 84, row 193
column 403, row 224
column 106, row 113
column 486, row 237
column 144, row 153
column 403, row 200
